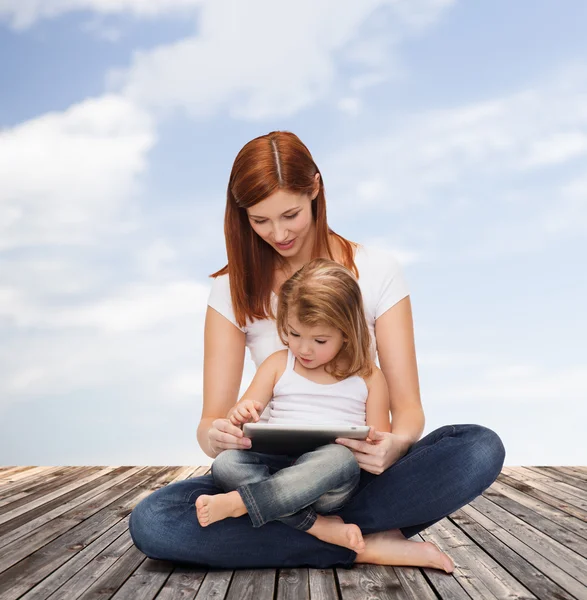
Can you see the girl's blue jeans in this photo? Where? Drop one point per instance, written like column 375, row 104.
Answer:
column 439, row 474
column 291, row 489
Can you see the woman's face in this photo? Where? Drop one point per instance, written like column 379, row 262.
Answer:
column 284, row 220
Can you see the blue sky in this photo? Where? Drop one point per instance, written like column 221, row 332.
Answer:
column 452, row 133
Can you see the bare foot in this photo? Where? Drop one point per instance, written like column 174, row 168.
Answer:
column 335, row 531
column 392, row 548
column 220, row 506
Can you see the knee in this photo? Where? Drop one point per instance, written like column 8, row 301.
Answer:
column 145, row 521
column 225, row 465
column 342, row 458
column 486, row 454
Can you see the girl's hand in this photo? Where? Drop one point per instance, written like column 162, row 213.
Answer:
column 223, row 435
column 245, row 411
column 378, row 452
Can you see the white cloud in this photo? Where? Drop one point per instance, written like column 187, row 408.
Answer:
column 24, row 13
column 86, row 162
column 138, row 307
column 518, row 384
column 483, row 164
column 262, row 59
column 350, row 105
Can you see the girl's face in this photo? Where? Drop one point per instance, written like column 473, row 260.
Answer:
column 313, row 346
column 284, row 220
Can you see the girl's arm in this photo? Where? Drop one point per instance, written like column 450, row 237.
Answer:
column 260, row 391
column 377, row 407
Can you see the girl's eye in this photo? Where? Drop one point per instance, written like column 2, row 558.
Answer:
column 294, row 334
column 321, row 341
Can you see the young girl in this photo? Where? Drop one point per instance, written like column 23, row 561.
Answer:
column 325, row 377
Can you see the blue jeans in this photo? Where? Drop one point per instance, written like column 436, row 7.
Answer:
column 291, row 489
column 439, row 474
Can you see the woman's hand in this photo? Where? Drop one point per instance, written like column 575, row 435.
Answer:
column 223, row 435
column 378, row 452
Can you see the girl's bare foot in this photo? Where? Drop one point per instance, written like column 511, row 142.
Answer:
column 392, row 548
column 220, row 506
column 335, row 531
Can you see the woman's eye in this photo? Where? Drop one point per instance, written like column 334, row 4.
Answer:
column 294, row 334
column 258, row 222
column 292, row 216
column 321, row 341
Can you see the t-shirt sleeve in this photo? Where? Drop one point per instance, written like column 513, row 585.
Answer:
column 219, row 299
column 392, row 285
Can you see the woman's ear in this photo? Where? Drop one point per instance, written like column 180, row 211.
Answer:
column 316, row 186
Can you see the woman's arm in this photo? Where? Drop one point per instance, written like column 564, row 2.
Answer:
column 394, row 333
column 377, row 407
column 224, row 356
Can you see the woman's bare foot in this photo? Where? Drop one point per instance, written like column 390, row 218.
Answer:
column 220, row 506
column 392, row 548
column 335, row 531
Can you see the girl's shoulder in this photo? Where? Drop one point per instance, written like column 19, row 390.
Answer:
column 376, row 378
column 276, row 363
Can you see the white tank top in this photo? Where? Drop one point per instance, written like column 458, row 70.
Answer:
column 297, row 400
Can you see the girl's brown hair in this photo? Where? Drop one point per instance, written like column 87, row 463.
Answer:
column 324, row 292
column 276, row 161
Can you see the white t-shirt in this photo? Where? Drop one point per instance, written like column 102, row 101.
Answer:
column 380, row 279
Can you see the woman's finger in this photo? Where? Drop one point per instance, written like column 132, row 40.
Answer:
column 226, row 426
column 226, row 440
column 357, row 445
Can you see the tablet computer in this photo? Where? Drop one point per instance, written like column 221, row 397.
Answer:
column 297, row 439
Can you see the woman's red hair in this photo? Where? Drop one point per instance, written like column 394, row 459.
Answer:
column 276, row 161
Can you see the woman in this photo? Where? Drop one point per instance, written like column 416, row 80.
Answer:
column 275, row 222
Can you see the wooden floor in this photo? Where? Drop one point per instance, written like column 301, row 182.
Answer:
column 64, row 535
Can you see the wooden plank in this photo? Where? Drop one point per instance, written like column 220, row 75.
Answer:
column 414, row 583
column 552, row 550
column 110, row 581
column 538, row 521
column 479, row 574
column 252, row 584
column 146, row 581
column 543, row 492
column 520, row 568
column 561, row 474
column 37, row 517
column 551, row 480
column 59, row 579
column 26, row 479
column 293, row 584
column 214, row 585
column 322, row 584
column 370, row 581
column 49, row 492
column 182, row 584
column 13, row 471
column 542, row 508
column 92, row 519
column 92, row 571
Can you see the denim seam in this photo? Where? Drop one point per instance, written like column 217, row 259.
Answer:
column 308, row 521
column 251, row 506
